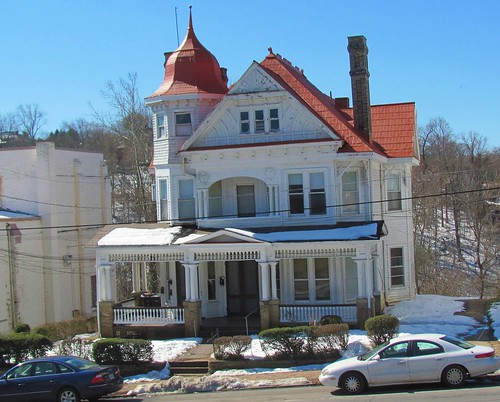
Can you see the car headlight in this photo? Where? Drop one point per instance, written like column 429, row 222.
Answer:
column 325, row 371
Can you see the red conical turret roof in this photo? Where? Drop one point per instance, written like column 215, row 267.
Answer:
column 191, row 69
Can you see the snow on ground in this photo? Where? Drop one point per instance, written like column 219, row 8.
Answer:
column 494, row 314
column 426, row 313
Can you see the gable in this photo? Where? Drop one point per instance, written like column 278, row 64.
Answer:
column 258, row 91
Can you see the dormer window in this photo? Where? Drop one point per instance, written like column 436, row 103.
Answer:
column 183, row 126
column 274, row 120
column 259, row 121
column 244, row 123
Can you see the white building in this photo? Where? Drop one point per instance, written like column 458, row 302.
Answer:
column 273, row 199
column 52, row 201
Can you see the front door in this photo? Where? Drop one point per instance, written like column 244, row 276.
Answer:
column 242, row 287
column 213, row 289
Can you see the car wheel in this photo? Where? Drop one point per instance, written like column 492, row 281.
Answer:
column 353, row 383
column 68, row 395
column 454, row 376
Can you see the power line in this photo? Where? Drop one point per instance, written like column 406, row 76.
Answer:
column 415, row 197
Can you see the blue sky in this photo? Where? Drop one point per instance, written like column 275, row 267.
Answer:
column 442, row 54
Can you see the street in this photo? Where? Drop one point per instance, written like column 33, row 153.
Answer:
column 479, row 391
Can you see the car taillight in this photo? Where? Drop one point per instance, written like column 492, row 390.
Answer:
column 98, row 379
column 483, row 355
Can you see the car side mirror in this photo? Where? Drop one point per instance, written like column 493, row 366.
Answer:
column 376, row 357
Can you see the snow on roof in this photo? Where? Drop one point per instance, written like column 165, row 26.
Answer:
column 140, row 237
column 368, row 231
column 7, row 214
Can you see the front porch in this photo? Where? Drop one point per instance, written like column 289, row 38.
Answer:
column 170, row 322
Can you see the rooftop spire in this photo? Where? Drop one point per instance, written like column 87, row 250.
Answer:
column 191, row 68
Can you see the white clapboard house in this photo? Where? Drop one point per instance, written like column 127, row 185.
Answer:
column 276, row 204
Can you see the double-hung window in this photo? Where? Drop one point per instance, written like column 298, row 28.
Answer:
column 160, row 126
column 183, row 126
column 259, row 121
column 244, row 123
column 317, row 195
column 394, row 193
column 163, row 200
column 397, row 267
column 274, row 120
column 306, row 193
column 215, row 200
column 296, row 193
column 311, row 279
column 186, row 199
column 350, row 193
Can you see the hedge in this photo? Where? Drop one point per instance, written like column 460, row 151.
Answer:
column 122, row 351
column 21, row 346
column 231, row 347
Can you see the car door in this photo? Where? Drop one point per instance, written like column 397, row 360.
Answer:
column 390, row 366
column 15, row 384
column 427, row 361
column 43, row 382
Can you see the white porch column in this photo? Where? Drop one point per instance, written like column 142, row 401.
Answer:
column 377, row 276
column 202, row 203
column 360, row 265
column 136, row 278
column 187, row 281
column 274, row 289
column 144, row 282
column 205, row 203
column 105, row 282
column 264, row 277
column 194, row 282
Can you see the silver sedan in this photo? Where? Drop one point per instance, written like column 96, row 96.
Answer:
column 412, row 359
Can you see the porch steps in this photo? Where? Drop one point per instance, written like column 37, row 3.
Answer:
column 188, row 367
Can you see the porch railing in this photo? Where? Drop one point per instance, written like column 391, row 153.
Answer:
column 309, row 313
column 148, row 315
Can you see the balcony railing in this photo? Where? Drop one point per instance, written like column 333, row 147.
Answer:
column 148, row 315
column 313, row 313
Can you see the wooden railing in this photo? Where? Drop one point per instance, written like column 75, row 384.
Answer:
column 148, row 315
column 313, row 313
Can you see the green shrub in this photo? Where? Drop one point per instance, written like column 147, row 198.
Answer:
column 21, row 346
column 382, row 328
column 22, row 328
column 288, row 343
column 329, row 339
column 330, row 319
column 119, row 351
column 231, row 347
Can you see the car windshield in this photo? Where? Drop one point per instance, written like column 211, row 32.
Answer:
column 80, row 364
column 373, row 352
column 458, row 342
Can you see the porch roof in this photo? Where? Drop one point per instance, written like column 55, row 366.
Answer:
column 161, row 235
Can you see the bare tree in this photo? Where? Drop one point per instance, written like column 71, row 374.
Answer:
column 30, row 120
column 129, row 122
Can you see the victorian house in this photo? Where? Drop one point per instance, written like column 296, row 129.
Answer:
column 275, row 202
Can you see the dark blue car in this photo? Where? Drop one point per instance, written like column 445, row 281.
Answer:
column 59, row 378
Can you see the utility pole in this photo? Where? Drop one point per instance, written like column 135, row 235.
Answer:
column 12, row 283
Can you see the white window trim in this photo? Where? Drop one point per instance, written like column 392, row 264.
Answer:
column 389, row 265
column 267, row 119
column 400, row 178
column 307, row 191
column 311, row 281
column 181, row 111
column 359, row 191
column 158, row 118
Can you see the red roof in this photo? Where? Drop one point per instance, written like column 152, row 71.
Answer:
column 191, row 69
column 393, row 126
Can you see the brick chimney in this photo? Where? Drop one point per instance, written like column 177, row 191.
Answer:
column 358, row 56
